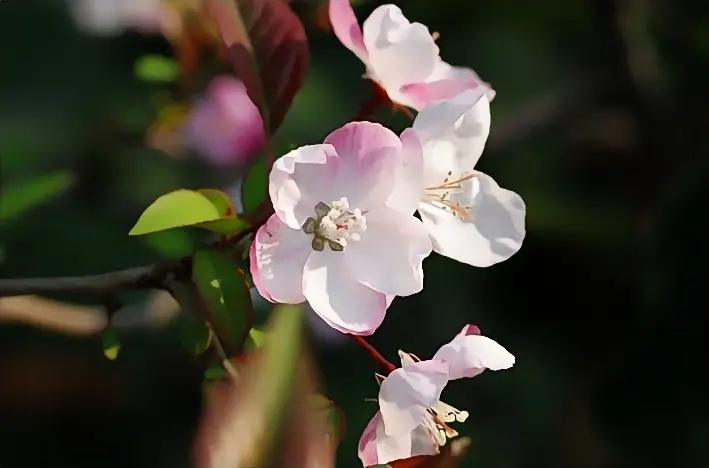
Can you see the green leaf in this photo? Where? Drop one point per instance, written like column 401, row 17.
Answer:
column 230, row 223
column 19, row 197
column 335, row 416
column 215, row 373
column 223, row 288
column 195, row 335
column 156, row 69
column 111, row 345
column 175, row 209
column 255, row 185
column 256, row 336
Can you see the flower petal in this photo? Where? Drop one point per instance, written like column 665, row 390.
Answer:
column 494, row 234
column 393, row 239
column 408, row 174
column 408, row 391
column 367, row 155
column 300, row 180
column 338, row 298
column 462, row 122
column 468, row 356
column 346, row 28
column 375, row 447
column 277, row 257
column 400, row 52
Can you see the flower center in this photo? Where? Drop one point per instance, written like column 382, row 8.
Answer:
column 335, row 225
column 451, row 196
column 435, row 420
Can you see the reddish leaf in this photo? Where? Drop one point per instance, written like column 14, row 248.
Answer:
column 268, row 50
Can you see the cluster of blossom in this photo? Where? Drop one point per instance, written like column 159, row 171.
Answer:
column 345, row 238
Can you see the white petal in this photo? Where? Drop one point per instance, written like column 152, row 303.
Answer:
column 463, row 122
column 338, row 298
column 300, row 180
column 408, row 175
column 375, row 447
column 468, row 356
column 400, row 52
column 389, row 256
column 407, row 392
column 277, row 257
column 494, row 234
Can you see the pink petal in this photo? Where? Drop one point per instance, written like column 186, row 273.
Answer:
column 346, row 28
column 300, row 180
column 338, row 298
column 368, row 153
column 444, row 83
column 226, row 127
column 375, row 447
column 397, row 240
column 408, row 391
column 469, row 355
column 277, row 257
column 469, row 329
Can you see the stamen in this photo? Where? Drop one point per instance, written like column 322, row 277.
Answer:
column 335, row 225
column 442, row 194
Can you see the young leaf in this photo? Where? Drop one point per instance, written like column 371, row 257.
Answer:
column 256, row 338
column 195, row 335
column 230, row 223
column 110, row 343
column 157, row 68
column 175, row 209
column 254, row 187
column 18, row 197
column 268, row 51
column 223, row 288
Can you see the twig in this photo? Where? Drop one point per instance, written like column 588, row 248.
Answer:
column 154, row 276
column 374, row 354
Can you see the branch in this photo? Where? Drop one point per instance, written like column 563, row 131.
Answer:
column 154, row 276
column 374, row 354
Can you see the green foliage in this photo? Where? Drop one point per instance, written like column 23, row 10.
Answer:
column 110, row 343
column 195, row 335
column 223, row 288
column 175, row 209
column 255, row 186
column 156, row 69
column 18, row 197
column 256, row 338
column 209, row 209
column 229, row 223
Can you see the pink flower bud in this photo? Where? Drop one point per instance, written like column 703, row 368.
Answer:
column 226, row 127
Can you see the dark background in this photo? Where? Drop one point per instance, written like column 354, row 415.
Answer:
column 601, row 123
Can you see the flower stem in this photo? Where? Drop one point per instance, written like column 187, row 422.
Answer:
column 374, row 354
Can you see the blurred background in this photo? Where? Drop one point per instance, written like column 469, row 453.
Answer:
column 601, row 123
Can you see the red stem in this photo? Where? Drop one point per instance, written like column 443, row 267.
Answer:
column 374, row 354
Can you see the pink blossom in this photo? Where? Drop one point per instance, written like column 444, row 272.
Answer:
column 401, row 57
column 226, row 126
column 412, row 420
column 338, row 238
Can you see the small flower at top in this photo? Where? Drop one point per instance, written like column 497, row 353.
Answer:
column 469, row 216
column 401, row 57
column 412, row 420
column 339, row 239
column 225, row 127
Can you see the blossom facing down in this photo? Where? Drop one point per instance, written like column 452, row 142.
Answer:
column 401, row 57
column 412, row 420
column 226, row 126
column 339, row 239
column 469, row 216
column 110, row 17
